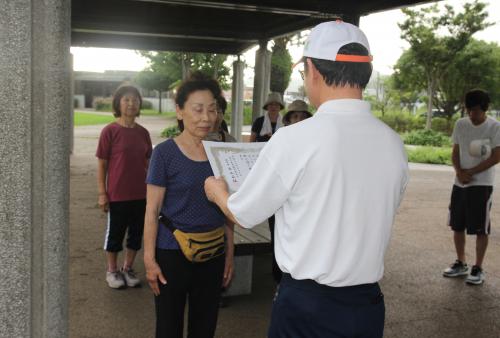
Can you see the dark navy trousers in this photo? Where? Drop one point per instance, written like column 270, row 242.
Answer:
column 306, row 309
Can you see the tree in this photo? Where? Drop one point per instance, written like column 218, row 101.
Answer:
column 151, row 80
column 432, row 53
column 281, row 66
column 475, row 66
column 176, row 66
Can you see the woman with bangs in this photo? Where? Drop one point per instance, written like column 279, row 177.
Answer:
column 123, row 156
column 175, row 189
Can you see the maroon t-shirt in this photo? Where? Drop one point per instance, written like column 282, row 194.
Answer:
column 127, row 151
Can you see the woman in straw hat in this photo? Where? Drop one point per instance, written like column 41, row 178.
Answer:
column 297, row 111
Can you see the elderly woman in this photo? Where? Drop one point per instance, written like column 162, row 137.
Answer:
column 297, row 111
column 175, row 182
column 265, row 126
column 122, row 162
column 220, row 132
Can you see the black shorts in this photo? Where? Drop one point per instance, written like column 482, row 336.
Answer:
column 470, row 209
column 125, row 215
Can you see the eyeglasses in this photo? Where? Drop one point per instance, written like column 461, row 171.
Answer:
column 302, row 74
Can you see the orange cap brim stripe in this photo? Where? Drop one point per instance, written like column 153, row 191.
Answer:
column 354, row 58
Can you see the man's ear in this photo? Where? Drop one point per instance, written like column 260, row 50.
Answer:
column 312, row 70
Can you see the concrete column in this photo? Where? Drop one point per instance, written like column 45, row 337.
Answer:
column 266, row 88
column 71, row 106
column 34, row 153
column 237, row 99
column 262, row 76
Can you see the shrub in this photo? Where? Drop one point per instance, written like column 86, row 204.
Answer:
column 403, row 122
column 423, row 137
column 444, row 125
column 429, row 155
column 170, row 132
column 247, row 114
column 103, row 104
column 146, row 104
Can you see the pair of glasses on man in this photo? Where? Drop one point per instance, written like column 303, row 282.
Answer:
column 302, row 74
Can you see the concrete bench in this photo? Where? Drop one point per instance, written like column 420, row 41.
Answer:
column 247, row 243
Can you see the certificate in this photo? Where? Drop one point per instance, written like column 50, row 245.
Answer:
column 232, row 161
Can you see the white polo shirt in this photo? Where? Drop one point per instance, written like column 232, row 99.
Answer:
column 335, row 182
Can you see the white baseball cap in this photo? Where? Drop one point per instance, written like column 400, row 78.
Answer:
column 327, row 38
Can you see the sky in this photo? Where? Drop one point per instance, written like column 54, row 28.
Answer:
column 381, row 30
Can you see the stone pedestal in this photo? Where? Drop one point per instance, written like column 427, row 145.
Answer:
column 34, row 162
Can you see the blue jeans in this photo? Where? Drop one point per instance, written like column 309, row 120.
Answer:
column 304, row 308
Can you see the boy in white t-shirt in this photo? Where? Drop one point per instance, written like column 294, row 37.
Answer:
column 476, row 150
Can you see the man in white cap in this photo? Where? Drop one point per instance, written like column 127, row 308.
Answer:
column 335, row 182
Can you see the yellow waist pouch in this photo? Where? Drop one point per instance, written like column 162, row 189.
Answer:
column 197, row 247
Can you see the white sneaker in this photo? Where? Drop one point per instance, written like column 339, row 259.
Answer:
column 476, row 276
column 115, row 280
column 130, row 278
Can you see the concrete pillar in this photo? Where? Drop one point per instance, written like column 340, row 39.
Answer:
column 71, row 106
column 237, row 99
column 262, row 78
column 34, row 153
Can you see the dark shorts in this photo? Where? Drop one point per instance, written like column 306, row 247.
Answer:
column 470, row 209
column 125, row 216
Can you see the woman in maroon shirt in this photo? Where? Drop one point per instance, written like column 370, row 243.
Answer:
column 123, row 156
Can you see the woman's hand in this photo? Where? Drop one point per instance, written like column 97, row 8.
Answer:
column 153, row 275
column 228, row 269
column 103, row 202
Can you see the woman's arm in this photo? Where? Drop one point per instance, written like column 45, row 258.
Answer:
column 102, row 170
column 154, row 199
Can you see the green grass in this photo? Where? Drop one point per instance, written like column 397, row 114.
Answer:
column 152, row 112
column 431, row 155
column 88, row 119
column 85, row 119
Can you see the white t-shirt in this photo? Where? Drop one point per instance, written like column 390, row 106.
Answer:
column 334, row 182
column 485, row 137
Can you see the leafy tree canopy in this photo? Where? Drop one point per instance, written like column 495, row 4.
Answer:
column 172, row 65
column 281, row 66
column 435, row 38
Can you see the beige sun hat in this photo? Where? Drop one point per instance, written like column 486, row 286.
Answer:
column 274, row 97
column 298, row 105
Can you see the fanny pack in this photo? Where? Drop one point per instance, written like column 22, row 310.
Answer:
column 197, row 247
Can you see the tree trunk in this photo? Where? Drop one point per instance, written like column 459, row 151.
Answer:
column 430, row 95
column 185, row 66
column 159, row 102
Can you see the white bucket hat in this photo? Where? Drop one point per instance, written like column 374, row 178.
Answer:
column 327, row 38
column 274, row 97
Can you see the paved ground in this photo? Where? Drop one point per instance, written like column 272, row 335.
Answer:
column 419, row 302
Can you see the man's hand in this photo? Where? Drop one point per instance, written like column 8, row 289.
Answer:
column 215, row 186
column 464, row 176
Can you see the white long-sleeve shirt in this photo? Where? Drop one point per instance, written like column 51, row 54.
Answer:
column 335, row 182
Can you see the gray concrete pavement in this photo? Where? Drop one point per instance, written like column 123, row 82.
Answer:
column 419, row 301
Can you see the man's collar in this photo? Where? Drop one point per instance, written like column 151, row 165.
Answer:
column 350, row 106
